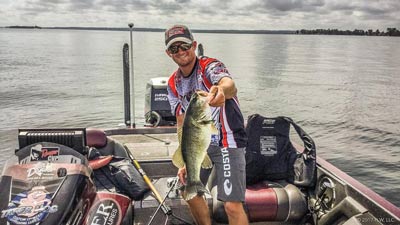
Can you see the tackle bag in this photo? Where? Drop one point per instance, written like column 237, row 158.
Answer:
column 121, row 175
column 128, row 180
column 270, row 155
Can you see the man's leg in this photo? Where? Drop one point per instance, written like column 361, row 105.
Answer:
column 236, row 213
column 199, row 209
column 230, row 165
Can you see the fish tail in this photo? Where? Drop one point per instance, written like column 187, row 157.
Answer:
column 194, row 189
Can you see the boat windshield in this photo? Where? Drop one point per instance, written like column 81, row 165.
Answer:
column 11, row 161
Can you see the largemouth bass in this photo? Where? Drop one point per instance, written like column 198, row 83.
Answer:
column 195, row 137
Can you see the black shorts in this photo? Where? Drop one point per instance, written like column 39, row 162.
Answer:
column 230, row 168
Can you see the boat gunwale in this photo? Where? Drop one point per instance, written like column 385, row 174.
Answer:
column 140, row 130
column 357, row 185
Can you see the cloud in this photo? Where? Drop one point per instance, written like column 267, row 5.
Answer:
column 205, row 14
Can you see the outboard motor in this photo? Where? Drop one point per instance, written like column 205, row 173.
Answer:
column 157, row 108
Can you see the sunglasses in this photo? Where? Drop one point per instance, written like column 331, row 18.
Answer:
column 173, row 49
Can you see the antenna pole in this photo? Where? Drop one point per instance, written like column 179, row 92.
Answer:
column 133, row 125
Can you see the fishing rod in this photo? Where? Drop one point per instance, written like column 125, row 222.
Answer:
column 174, row 182
column 166, row 209
column 146, row 179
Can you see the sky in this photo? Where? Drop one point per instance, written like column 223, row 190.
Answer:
column 205, row 14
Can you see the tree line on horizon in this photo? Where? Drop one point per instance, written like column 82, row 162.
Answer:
column 369, row 32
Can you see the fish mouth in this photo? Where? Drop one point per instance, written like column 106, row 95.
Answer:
column 201, row 97
column 205, row 96
column 202, row 93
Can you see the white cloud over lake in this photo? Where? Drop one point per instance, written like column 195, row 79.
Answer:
column 206, row 14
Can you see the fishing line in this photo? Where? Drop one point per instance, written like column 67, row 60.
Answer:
column 158, row 139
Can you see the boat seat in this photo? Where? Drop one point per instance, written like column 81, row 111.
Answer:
column 98, row 139
column 267, row 201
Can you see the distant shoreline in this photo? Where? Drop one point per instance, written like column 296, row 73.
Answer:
column 159, row 30
column 358, row 32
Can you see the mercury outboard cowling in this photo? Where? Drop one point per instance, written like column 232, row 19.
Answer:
column 157, row 108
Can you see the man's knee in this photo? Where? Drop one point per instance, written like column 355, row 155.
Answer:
column 197, row 202
column 233, row 208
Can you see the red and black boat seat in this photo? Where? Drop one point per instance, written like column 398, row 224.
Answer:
column 105, row 145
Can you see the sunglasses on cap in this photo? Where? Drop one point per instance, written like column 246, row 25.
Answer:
column 173, row 49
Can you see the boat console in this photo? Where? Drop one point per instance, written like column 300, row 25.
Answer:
column 74, row 138
column 49, row 181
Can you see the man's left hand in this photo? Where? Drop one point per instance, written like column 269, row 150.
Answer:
column 217, row 96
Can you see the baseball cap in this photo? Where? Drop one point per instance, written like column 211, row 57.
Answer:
column 178, row 33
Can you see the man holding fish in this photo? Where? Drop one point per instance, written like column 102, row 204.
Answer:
column 210, row 128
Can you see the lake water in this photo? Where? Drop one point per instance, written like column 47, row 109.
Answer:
column 343, row 90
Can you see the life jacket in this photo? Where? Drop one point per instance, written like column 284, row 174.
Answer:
column 270, row 154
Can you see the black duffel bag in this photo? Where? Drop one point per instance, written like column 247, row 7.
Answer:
column 122, row 176
column 270, row 155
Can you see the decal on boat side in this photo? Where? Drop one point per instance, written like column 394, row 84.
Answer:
column 107, row 212
column 40, row 153
column 29, row 207
column 41, row 170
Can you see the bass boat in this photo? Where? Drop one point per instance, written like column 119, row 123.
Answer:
column 51, row 181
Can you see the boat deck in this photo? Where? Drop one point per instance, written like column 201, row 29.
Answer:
column 150, row 146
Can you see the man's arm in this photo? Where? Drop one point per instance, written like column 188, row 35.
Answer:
column 228, row 86
column 226, row 89
column 179, row 120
